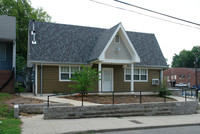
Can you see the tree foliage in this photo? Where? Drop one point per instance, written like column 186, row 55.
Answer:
column 84, row 79
column 23, row 12
column 187, row 58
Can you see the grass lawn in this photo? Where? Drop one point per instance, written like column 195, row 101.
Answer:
column 8, row 125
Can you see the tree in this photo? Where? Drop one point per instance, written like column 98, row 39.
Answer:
column 187, row 58
column 84, row 79
column 23, row 12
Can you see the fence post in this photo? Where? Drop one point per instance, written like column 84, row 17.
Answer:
column 113, row 97
column 82, row 97
column 185, row 96
column 164, row 95
column 140, row 97
column 197, row 94
column 47, row 101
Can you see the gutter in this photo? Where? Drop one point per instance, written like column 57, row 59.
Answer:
column 41, row 78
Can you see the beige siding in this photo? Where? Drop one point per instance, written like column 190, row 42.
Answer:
column 123, row 54
column 51, row 83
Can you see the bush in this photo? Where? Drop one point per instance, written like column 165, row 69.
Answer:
column 84, row 79
column 163, row 90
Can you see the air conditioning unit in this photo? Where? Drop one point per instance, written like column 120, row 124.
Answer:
column 155, row 81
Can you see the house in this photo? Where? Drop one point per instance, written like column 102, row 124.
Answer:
column 7, row 53
column 182, row 75
column 128, row 61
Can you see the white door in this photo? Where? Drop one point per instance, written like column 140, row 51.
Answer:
column 107, row 79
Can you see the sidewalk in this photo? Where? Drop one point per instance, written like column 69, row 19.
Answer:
column 37, row 125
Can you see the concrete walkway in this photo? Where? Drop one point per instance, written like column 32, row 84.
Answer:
column 37, row 125
column 57, row 99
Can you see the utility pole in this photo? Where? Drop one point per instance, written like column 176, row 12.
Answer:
column 196, row 71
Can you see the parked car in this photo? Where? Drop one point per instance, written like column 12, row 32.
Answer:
column 181, row 85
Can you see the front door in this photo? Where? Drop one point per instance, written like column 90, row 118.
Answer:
column 107, row 79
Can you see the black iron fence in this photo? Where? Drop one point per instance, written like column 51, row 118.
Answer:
column 163, row 93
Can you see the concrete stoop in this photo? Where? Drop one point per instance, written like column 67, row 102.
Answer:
column 198, row 109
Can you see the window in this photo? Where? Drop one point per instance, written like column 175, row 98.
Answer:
column 2, row 52
column 66, row 72
column 175, row 77
column 171, row 77
column 117, row 39
column 183, row 76
column 189, row 76
column 179, row 76
column 139, row 74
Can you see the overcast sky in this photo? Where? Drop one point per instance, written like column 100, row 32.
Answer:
column 171, row 37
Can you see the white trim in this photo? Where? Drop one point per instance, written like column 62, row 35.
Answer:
column 100, row 74
column 36, row 86
column 59, row 63
column 161, row 76
column 5, row 51
column 139, row 75
column 135, row 56
column 117, row 61
column 112, row 82
column 70, row 66
column 132, row 81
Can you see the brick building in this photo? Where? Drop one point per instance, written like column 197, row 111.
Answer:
column 182, row 75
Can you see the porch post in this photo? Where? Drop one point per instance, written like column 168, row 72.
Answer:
column 36, row 71
column 99, row 69
column 132, row 82
column 161, row 76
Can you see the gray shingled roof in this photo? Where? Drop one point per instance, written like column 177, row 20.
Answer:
column 79, row 45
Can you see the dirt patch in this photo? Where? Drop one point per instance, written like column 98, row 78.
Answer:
column 107, row 99
column 20, row 100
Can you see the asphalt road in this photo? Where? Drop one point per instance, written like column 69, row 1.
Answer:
column 171, row 130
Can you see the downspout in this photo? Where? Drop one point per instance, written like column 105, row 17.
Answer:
column 41, row 78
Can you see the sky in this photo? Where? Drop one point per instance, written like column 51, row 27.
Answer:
column 171, row 37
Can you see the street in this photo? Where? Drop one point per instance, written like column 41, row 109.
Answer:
column 171, row 130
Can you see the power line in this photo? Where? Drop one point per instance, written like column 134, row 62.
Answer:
column 143, row 14
column 157, row 12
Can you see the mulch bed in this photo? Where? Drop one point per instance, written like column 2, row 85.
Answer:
column 107, row 99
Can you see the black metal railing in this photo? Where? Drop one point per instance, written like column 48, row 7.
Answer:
column 164, row 92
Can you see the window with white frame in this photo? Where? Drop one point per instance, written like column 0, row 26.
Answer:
column 139, row 74
column 117, row 38
column 2, row 52
column 66, row 72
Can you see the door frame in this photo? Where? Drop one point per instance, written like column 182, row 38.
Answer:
column 112, row 76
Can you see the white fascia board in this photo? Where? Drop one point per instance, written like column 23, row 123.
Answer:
column 117, row 61
column 58, row 63
column 102, row 55
column 136, row 57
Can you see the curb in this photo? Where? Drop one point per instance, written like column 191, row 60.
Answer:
column 132, row 128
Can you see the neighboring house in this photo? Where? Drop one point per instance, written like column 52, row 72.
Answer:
column 129, row 61
column 7, row 53
column 182, row 75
